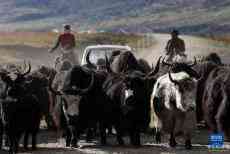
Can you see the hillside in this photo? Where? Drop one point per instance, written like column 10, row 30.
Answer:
column 192, row 17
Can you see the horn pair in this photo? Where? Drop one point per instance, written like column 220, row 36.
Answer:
column 171, row 64
column 176, row 82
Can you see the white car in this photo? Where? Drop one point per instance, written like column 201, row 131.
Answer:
column 98, row 52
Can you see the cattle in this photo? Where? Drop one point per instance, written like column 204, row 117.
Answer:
column 40, row 78
column 1, row 130
column 124, row 62
column 203, row 68
column 129, row 95
column 215, row 102
column 63, row 109
column 20, row 110
column 213, row 57
column 2, row 96
column 67, row 106
column 144, row 66
column 86, row 83
column 65, row 115
column 101, row 102
column 39, row 88
column 173, row 104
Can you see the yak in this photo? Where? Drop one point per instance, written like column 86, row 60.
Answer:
column 105, row 99
column 21, row 111
column 173, row 103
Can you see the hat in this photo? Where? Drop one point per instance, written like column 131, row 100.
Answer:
column 67, row 27
column 174, row 31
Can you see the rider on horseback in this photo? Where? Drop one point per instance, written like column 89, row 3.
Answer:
column 175, row 47
column 67, row 43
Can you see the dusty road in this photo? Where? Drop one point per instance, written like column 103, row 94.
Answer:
column 49, row 144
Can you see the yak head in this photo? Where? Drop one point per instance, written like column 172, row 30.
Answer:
column 177, row 88
column 15, row 81
column 136, row 82
column 184, row 78
column 184, row 88
column 79, row 81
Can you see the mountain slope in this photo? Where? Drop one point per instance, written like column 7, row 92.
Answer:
column 197, row 16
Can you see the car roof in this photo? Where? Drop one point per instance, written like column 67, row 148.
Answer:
column 108, row 46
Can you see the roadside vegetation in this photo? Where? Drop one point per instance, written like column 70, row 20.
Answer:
column 42, row 39
column 224, row 39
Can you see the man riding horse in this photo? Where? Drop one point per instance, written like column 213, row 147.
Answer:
column 67, row 43
column 175, row 48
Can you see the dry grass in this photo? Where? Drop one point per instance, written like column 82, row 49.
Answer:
column 27, row 38
column 33, row 46
column 225, row 39
column 46, row 39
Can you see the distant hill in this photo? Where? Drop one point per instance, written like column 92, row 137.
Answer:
column 210, row 17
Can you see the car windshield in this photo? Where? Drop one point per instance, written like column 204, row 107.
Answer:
column 99, row 53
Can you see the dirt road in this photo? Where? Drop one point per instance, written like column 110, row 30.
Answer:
column 49, row 144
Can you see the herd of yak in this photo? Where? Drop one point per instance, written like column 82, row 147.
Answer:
column 126, row 95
